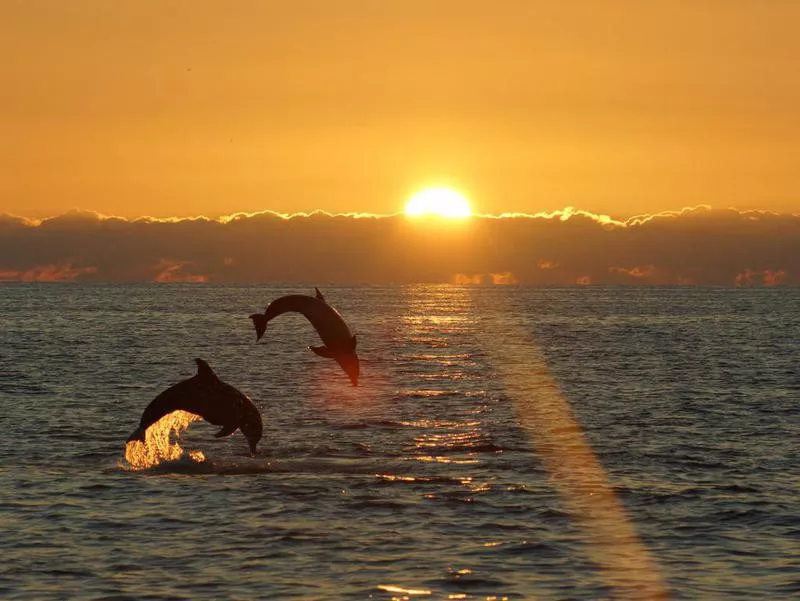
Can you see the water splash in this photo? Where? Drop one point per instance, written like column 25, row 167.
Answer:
column 159, row 445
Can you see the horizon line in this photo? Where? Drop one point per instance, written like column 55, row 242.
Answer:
column 562, row 214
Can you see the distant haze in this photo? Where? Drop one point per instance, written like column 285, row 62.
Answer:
column 693, row 246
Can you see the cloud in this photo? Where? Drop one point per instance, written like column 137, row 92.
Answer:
column 503, row 279
column 564, row 214
column 178, row 271
column 46, row 273
column 496, row 279
column 760, row 278
column 638, row 272
column 466, row 279
column 545, row 264
column 695, row 245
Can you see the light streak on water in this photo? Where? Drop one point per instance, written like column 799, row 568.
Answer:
column 406, row 592
column 573, row 468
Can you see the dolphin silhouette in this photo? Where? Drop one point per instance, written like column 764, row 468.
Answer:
column 339, row 342
column 204, row 394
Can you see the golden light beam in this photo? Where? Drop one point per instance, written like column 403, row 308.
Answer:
column 573, row 469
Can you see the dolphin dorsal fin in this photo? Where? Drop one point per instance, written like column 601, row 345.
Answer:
column 204, row 370
column 319, row 294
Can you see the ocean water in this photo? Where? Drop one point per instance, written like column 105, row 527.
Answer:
column 505, row 442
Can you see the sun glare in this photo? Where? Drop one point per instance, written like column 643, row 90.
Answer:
column 439, row 202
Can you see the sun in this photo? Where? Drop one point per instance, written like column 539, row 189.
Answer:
column 439, row 202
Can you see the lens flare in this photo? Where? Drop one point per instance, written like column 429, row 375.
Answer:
column 624, row 561
column 159, row 446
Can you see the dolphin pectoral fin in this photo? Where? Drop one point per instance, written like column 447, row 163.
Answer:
column 227, row 430
column 353, row 344
column 322, row 351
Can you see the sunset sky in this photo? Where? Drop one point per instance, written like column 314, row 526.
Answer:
column 167, row 108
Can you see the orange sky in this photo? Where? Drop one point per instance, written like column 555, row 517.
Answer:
column 163, row 108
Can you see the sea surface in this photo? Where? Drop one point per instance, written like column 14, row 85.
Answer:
column 504, row 443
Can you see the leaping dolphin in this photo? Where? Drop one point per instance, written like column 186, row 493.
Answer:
column 217, row 402
column 340, row 343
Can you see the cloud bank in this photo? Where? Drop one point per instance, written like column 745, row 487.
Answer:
column 694, row 246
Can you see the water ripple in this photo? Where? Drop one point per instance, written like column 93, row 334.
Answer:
column 419, row 483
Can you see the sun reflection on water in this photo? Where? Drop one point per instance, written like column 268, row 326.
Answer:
column 159, row 445
column 391, row 588
column 439, row 459
column 612, row 542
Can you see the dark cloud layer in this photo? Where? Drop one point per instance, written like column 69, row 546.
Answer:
column 693, row 246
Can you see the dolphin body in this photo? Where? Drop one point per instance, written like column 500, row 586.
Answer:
column 204, row 394
column 339, row 342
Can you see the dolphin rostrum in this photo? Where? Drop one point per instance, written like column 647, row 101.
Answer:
column 340, row 343
column 217, row 402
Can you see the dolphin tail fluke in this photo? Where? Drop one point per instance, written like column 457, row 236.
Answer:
column 260, row 323
column 137, row 434
column 322, row 351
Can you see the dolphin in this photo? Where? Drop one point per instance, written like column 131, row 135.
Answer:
column 204, row 394
column 339, row 342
